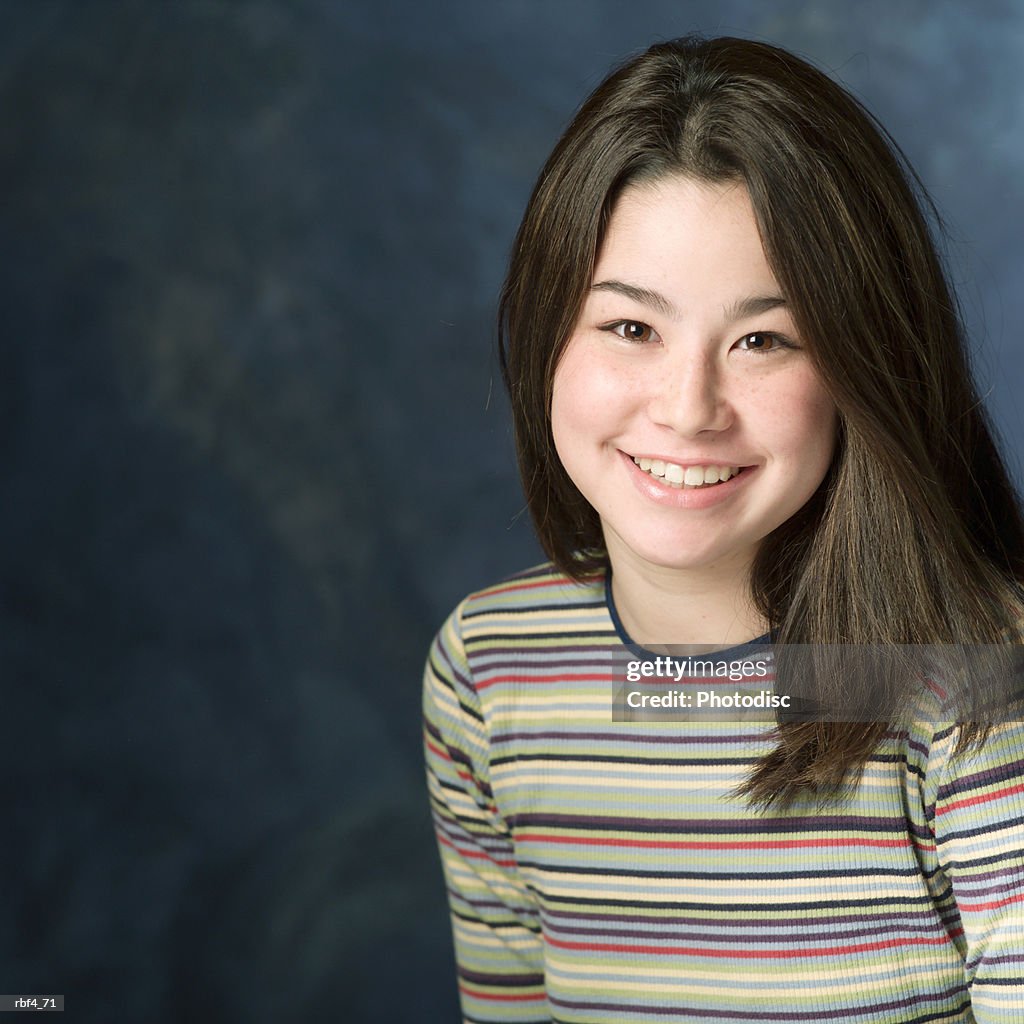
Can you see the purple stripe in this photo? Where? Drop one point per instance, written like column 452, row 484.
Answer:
column 896, row 917
column 827, row 1011
column 870, row 926
column 718, row 827
column 632, row 740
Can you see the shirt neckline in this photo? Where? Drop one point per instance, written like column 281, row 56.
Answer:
column 726, row 654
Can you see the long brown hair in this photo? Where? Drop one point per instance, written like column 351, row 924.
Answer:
column 915, row 536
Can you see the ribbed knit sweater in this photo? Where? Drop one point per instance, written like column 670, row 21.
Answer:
column 606, row 872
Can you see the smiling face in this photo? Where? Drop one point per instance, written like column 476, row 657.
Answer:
column 685, row 406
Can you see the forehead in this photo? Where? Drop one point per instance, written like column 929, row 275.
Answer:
column 678, row 234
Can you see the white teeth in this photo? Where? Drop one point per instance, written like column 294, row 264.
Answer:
column 690, row 476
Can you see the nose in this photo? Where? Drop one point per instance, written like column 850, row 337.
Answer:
column 687, row 395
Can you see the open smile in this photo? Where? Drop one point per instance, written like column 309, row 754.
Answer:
column 686, row 477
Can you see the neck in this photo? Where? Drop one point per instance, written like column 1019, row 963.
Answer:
column 709, row 607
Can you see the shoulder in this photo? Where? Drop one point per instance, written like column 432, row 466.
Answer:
column 516, row 625
column 521, row 612
column 541, row 588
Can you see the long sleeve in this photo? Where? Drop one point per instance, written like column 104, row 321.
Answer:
column 498, row 949
column 978, row 822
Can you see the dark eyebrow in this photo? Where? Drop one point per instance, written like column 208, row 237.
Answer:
column 743, row 309
column 645, row 296
column 754, row 306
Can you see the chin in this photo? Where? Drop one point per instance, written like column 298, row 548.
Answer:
column 685, row 555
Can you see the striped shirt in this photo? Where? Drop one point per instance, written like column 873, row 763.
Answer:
column 605, row 871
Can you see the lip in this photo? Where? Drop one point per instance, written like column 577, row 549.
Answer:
column 683, row 497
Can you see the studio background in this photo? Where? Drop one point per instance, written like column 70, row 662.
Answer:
column 254, row 446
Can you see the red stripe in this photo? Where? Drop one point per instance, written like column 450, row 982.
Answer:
column 935, row 688
column 981, row 798
column 651, row 683
column 753, row 954
column 511, row 588
column 994, row 905
column 443, row 754
column 561, row 677
column 473, row 854
column 710, row 844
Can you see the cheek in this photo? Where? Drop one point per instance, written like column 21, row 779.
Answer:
column 591, row 391
column 579, row 393
column 795, row 420
column 568, row 411
column 815, row 424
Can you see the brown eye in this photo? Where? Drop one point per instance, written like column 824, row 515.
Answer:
column 632, row 330
column 762, row 341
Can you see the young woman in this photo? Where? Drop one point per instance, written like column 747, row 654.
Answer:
column 744, row 417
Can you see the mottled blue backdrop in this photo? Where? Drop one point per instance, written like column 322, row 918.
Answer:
column 253, row 446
